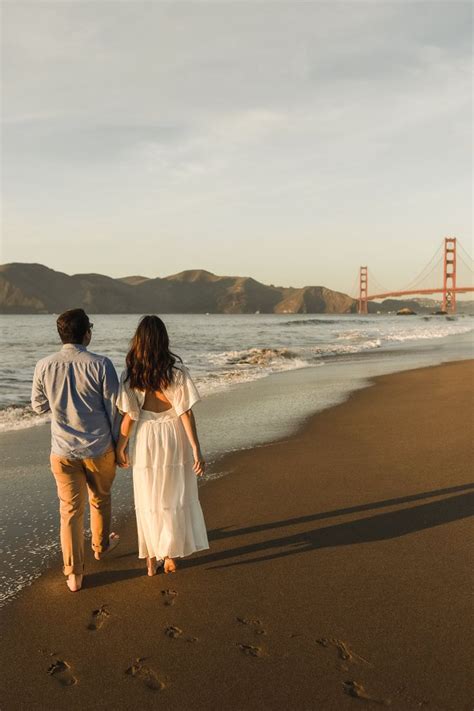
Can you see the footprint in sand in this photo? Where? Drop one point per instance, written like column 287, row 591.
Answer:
column 169, row 596
column 251, row 651
column 357, row 691
column 98, row 618
column 174, row 632
column 254, row 623
column 343, row 650
column 146, row 675
column 62, row 673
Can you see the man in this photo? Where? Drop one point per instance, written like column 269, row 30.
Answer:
column 79, row 388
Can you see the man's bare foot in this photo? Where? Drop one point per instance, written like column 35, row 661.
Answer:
column 170, row 565
column 114, row 540
column 151, row 566
column 74, row 582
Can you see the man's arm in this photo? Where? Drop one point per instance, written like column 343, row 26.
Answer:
column 110, row 387
column 39, row 401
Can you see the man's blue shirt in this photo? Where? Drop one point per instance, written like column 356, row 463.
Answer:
column 79, row 388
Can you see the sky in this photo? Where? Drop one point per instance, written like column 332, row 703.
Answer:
column 290, row 142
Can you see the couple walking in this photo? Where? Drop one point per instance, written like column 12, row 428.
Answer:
column 144, row 420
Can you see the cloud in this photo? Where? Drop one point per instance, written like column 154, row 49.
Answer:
column 266, row 118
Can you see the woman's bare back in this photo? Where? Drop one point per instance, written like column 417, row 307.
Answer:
column 156, row 401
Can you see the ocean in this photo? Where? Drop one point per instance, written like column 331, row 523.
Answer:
column 259, row 376
column 220, row 350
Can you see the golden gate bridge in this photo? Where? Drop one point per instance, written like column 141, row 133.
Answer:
column 451, row 266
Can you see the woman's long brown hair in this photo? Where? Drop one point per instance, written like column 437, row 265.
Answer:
column 149, row 361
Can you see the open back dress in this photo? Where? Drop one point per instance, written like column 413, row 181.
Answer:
column 170, row 521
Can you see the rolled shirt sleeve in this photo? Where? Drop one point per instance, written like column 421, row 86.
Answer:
column 39, row 401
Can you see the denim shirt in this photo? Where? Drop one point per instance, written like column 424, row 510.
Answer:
column 79, row 389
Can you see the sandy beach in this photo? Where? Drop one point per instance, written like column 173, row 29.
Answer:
column 339, row 574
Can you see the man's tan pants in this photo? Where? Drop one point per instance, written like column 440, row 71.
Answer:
column 77, row 479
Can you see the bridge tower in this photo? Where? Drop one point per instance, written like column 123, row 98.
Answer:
column 449, row 275
column 363, row 285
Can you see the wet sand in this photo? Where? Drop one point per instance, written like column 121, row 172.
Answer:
column 339, row 575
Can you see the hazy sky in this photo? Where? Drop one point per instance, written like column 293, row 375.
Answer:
column 290, row 142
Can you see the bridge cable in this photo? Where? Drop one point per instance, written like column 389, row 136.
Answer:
column 470, row 268
column 460, row 244
column 354, row 292
column 425, row 277
column 466, row 253
column 379, row 288
column 427, row 269
column 419, row 275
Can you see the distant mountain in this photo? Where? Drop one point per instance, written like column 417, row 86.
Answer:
column 133, row 279
column 34, row 288
column 199, row 275
column 316, row 300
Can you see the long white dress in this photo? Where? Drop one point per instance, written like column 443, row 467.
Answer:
column 169, row 516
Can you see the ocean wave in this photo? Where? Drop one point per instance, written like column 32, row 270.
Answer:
column 254, row 356
column 234, row 367
column 427, row 333
column 324, row 321
column 409, row 334
column 218, row 371
column 334, row 349
column 310, row 322
column 20, row 417
column 357, row 336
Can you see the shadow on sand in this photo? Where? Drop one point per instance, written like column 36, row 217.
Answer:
column 108, row 577
column 378, row 527
column 383, row 526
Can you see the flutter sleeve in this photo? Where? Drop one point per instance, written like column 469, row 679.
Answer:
column 128, row 400
column 183, row 393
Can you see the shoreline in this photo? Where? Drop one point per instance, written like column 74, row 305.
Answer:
column 323, row 535
column 26, row 452
column 262, row 361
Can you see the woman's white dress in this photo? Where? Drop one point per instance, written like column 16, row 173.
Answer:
column 169, row 516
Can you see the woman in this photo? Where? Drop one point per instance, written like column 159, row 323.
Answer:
column 156, row 392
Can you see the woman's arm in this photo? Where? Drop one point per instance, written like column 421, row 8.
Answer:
column 121, row 452
column 189, row 424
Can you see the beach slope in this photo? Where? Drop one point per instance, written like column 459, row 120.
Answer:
column 339, row 575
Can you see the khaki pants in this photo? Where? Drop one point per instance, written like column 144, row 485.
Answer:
column 76, row 480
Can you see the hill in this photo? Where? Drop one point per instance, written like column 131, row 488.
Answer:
column 34, row 288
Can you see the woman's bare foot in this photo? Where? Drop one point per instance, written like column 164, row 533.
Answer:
column 74, row 582
column 169, row 565
column 151, row 566
column 114, row 540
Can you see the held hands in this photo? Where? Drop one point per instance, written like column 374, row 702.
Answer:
column 199, row 465
column 121, row 455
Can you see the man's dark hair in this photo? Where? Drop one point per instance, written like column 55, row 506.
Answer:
column 73, row 325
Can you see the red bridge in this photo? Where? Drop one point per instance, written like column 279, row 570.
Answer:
column 448, row 256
